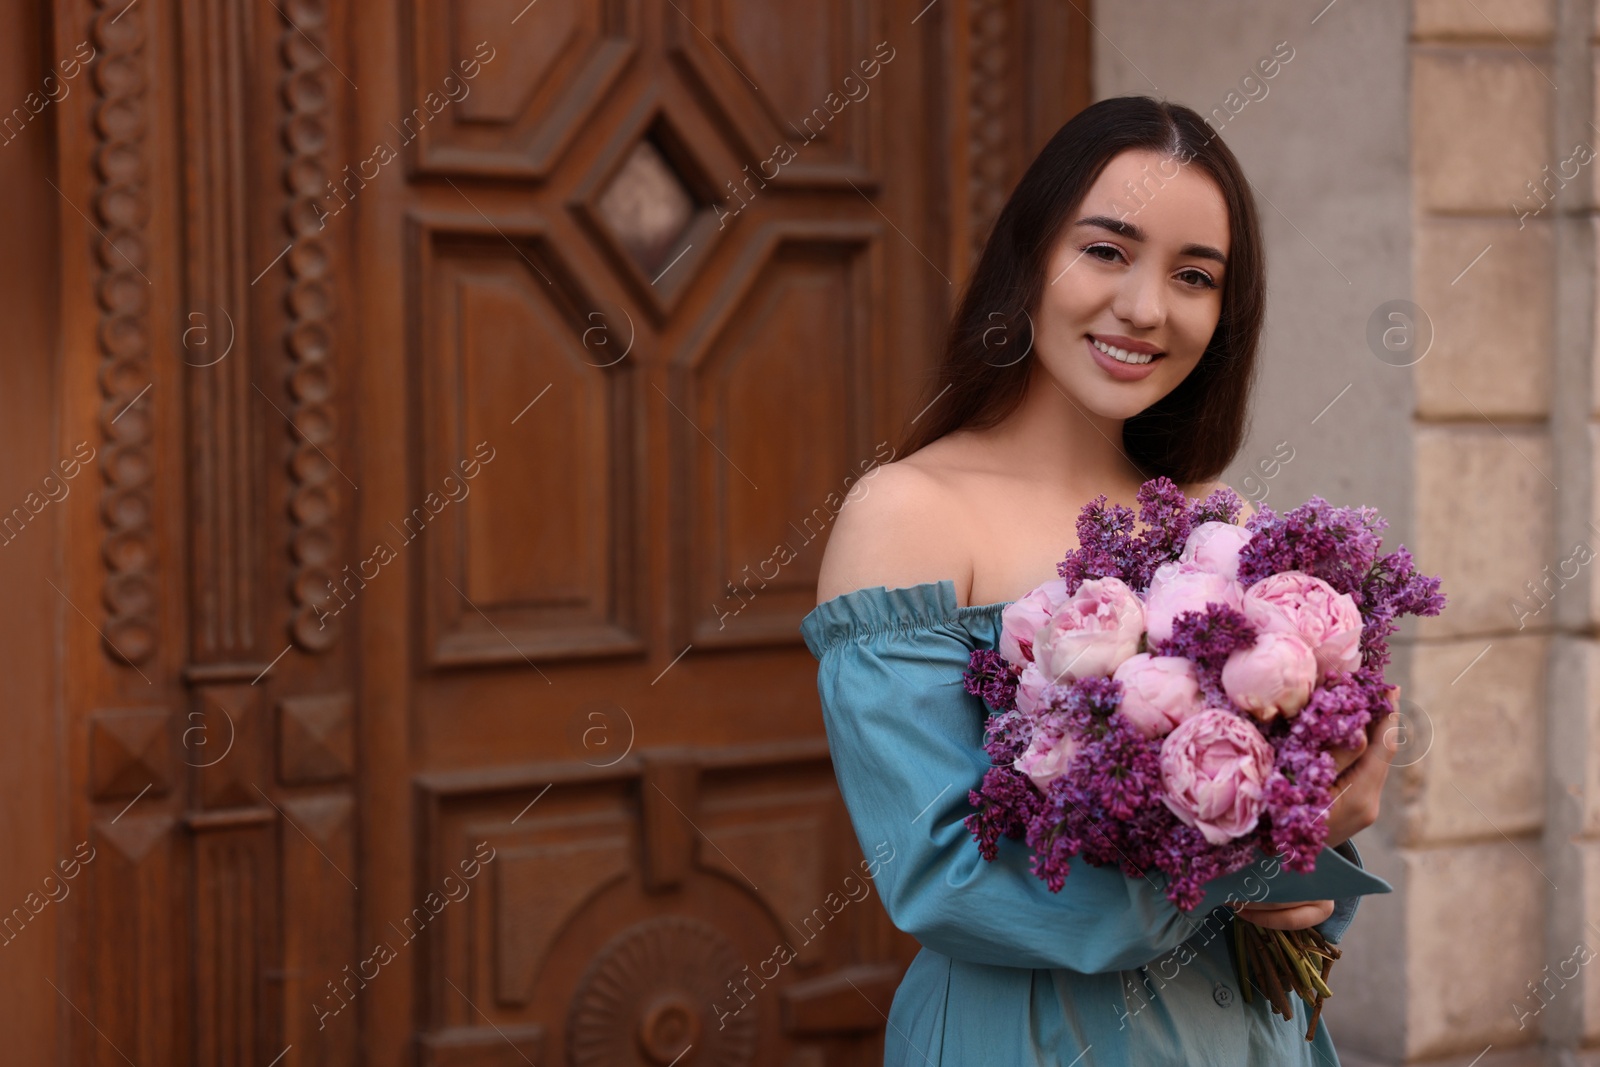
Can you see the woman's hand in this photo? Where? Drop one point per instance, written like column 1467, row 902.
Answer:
column 1362, row 772
column 1296, row 916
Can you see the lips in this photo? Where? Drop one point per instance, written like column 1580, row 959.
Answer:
column 1126, row 349
column 1117, row 369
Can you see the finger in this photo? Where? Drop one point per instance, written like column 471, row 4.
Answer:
column 1386, row 720
column 1344, row 757
column 1370, row 771
column 1295, row 917
column 1382, row 727
column 1389, row 740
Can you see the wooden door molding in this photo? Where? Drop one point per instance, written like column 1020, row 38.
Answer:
column 520, row 118
column 692, row 150
column 1026, row 70
column 640, row 914
column 312, row 89
column 718, row 45
column 120, row 203
column 211, row 726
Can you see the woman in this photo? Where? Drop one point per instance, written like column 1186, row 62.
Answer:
column 1107, row 335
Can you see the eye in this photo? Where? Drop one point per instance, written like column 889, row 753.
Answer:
column 1197, row 278
column 1094, row 249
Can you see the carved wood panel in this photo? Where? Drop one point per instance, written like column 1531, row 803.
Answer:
column 512, row 118
column 451, row 366
column 536, row 564
column 222, row 760
column 698, row 890
column 804, row 286
column 309, row 88
column 121, row 208
column 748, row 217
column 788, row 81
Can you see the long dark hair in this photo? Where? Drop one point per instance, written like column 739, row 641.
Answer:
column 1191, row 434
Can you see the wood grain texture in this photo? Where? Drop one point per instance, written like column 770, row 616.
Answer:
column 583, row 655
column 549, row 70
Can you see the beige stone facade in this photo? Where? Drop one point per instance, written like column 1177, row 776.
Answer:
column 1439, row 152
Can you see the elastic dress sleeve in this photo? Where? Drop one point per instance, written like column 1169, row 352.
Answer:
column 906, row 741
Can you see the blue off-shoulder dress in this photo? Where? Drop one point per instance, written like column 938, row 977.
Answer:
column 1106, row 972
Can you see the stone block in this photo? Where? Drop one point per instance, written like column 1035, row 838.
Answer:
column 1527, row 21
column 1486, row 286
column 1572, row 762
column 1474, row 924
column 1479, row 708
column 1480, row 128
column 1483, row 522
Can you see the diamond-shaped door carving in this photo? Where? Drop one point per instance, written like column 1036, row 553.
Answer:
column 511, row 82
column 653, row 205
column 647, row 207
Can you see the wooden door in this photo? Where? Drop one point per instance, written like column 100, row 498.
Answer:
column 676, row 325
column 474, row 386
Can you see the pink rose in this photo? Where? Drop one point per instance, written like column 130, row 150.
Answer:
column 1092, row 633
column 1046, row 758
column 1214, row 768
column 1021, row 619
column 1294, row 602
column 1272, row 677
column 1179, row 587
column 1030, row 688
column 1214, row 547
column 1158, row 692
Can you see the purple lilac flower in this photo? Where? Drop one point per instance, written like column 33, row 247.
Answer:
column 1208, row 638
column 1006, row 801
column 1104, row 538
column 1189, row 863
column 1391, row 589
column 1222, row 505
column 1301, row 788
column 989, row 676
column 1109, row 545
column 1338, row 545
column 1106, row 807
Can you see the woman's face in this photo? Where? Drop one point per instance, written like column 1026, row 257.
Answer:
column 1137, row 268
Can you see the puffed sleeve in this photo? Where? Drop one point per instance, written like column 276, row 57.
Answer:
column 906, row 741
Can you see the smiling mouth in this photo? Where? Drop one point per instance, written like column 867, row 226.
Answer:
column 1122, row 355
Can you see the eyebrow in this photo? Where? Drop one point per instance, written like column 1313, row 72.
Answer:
column 1133, row 233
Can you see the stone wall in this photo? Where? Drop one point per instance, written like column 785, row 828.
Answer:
column 1431, row 254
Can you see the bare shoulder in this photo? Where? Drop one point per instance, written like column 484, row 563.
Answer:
column 1203, row 491
column 902, row 525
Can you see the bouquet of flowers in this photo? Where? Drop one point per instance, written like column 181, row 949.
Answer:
column 1173, row 700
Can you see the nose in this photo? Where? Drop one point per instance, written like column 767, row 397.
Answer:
column 1141, row 299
